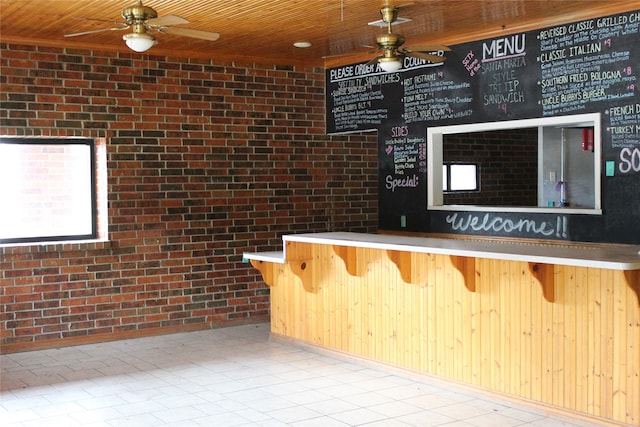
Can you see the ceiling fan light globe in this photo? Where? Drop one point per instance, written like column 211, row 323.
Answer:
column 139, row 42
column 390, row 64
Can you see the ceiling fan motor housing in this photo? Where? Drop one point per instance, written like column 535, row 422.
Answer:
column 389, row 41
column 138, row 13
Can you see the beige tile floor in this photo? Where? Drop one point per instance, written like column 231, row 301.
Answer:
column 237, row 376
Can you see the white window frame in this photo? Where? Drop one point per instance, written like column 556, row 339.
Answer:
column 62, row 231
column 435, row 160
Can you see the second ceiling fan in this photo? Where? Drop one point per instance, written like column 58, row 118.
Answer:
column 390, row 45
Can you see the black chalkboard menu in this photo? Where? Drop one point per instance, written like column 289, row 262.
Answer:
column 590, row 66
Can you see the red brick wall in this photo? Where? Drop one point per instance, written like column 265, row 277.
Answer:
column 205, row 161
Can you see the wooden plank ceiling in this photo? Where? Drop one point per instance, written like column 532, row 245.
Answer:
column 264, row 30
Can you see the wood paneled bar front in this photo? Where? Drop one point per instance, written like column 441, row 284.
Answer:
column 557, row 325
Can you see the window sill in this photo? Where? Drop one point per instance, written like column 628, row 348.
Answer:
column 56, row 246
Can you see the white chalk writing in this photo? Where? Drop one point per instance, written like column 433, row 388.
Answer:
column 498, row 224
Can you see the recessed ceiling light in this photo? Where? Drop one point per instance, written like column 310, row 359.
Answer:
column 302, row 44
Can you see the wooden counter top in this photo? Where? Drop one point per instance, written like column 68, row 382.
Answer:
column 623, row 257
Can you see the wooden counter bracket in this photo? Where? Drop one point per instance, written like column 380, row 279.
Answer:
column 409, row 265
column 467, row 267
column 298, row 267
column 543, row 273
column 633, row 281
column 266, row 269
column 300, row 261
column 402, row 260
column 348, row 255
column 302, row 269
column 413, row 271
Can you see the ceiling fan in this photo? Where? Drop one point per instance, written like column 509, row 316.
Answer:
column 144, row 20
column 390, row 44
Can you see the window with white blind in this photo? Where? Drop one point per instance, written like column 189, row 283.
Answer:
column 47, row 190
column 459, row 177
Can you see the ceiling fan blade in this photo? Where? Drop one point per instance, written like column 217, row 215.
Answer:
column 102, row 30
column 429, row 48
column 374, row 60
column 104, row 20
column 189, row 32
column 338, row 55
column 426, row 56
column 164, row 21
